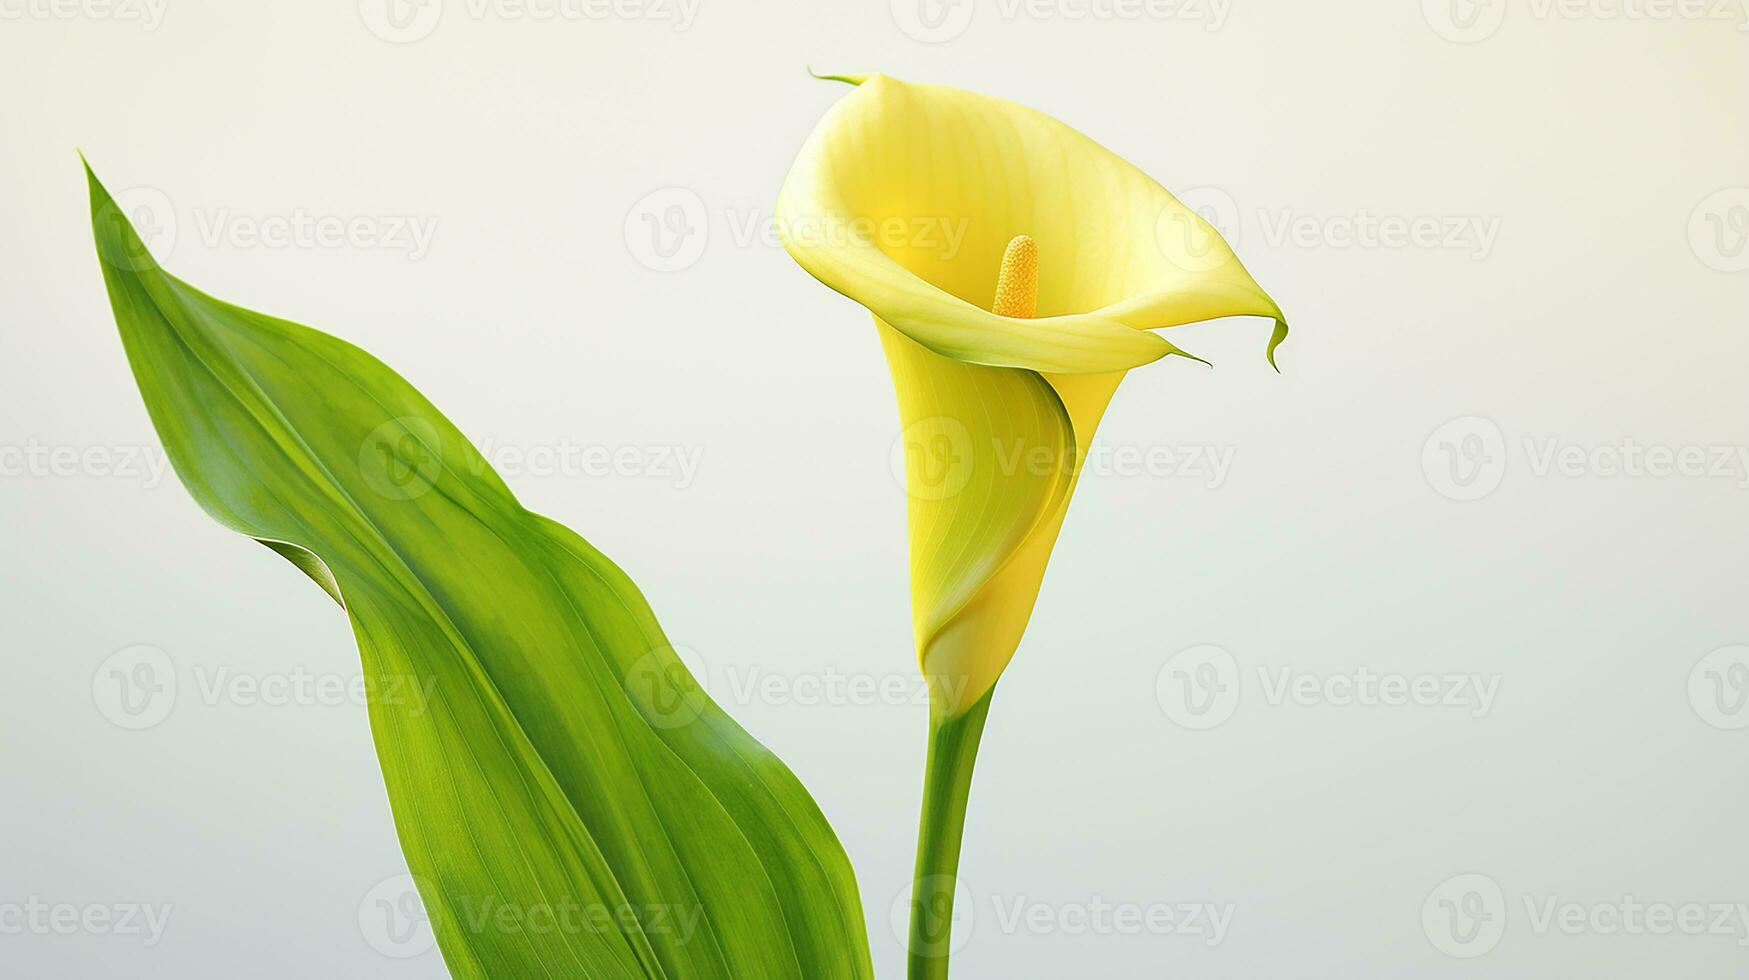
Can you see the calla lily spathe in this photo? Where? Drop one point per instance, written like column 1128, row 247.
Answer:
column 983, row 396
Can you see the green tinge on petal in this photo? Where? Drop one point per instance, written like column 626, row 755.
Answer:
column 987, row 455
column 847, row 79
column 1276, row 336
column 992, row 456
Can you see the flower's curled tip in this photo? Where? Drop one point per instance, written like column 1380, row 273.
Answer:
column 846, row 79
column 1275, row 339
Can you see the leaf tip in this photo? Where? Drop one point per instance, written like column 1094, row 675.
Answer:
column 99, row 193
column 118, row 241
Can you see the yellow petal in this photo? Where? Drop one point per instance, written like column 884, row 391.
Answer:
column 983, row 449
column 906, row 195
column 963, row 654
column 906, row 198
column 991, row 460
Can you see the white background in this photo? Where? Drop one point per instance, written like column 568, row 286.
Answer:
column 1607, row 306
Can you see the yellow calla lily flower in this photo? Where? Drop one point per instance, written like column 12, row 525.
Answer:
column 906, row 199
column 924, row 203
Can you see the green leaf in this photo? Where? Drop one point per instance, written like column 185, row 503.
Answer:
column 570, row 801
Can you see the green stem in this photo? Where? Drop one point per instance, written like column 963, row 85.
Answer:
column 953, row 748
